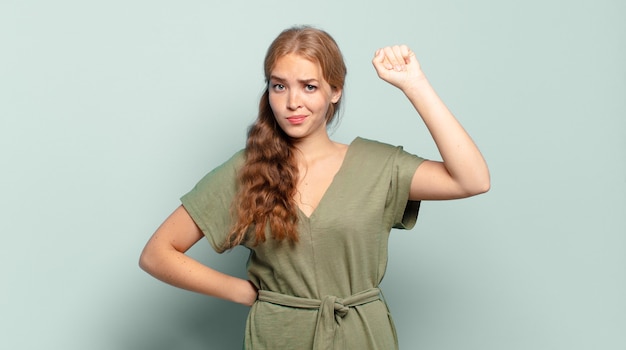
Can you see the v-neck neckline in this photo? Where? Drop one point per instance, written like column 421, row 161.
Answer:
column 330, row 186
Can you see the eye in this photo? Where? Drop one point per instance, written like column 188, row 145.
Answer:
column 310, row 87
column 278, row 87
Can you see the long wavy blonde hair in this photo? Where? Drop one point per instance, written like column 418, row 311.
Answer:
column 268, row 178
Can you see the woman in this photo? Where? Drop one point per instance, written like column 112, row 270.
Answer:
column 314, row 213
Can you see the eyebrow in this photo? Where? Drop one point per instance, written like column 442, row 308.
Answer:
column 302, row 81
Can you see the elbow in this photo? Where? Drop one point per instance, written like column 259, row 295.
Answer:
column 143, row 262
column 146, row 261
column 482, row 183
column 154, row 259
column 482, row 186
column 479, row 186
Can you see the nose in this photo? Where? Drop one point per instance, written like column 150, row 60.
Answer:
column 293, row 100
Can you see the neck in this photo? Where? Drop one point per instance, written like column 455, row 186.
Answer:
column 311, row 148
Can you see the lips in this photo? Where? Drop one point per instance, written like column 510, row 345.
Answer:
column 296, row 119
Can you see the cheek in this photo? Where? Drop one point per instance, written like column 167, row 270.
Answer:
column 273, row 100
column 322, row 104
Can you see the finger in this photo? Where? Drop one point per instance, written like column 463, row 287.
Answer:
column 398, row 51
column 385, row 60
column 395, row 60
column 407, row 54
column 411, row 57
column 380, row 61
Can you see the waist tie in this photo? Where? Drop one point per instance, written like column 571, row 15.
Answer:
column 331, row 310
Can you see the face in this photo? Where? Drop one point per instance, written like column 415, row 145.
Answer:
column 300, row 97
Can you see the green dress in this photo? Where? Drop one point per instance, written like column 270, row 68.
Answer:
column 322, row 293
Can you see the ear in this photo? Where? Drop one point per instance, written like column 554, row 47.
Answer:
column 336, row 95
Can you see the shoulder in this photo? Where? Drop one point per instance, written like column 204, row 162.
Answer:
column 374, row 148
column 362, row 142
column 378, row 153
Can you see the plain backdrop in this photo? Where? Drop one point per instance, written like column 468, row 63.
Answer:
column 111, row 110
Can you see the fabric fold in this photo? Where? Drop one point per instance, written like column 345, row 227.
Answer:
column 331, row 310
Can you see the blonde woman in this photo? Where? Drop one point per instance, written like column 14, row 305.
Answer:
column 314, row 213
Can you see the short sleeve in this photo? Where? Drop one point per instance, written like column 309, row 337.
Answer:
column 390, row 170
column 209, row 202
column 404, row 211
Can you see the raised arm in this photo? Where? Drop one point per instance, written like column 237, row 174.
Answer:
column 164, row 258
column 463, row 171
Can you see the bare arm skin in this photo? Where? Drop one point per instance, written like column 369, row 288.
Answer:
column 164, row 258
column 463, row 171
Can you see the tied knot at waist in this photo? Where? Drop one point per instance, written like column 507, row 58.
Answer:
column 331, row 310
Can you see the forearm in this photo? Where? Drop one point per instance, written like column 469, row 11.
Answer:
column 180, row 270
column 460, row 155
